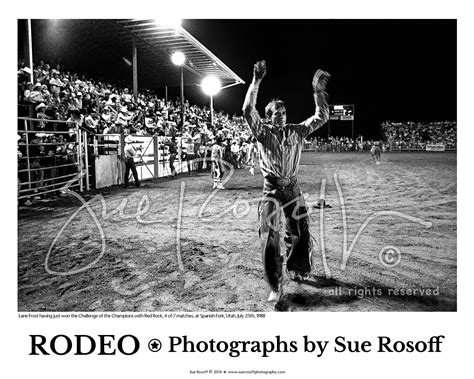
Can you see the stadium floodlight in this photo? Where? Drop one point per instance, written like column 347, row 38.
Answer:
column 211, row 86
column 172, row 22
column 178, row 58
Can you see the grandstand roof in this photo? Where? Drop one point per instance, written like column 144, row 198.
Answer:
column 155, row 43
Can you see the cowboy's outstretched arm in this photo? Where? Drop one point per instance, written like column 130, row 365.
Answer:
column 249, row 110
column 321, row 113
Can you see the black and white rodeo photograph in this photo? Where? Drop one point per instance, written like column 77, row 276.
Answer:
column 237, row 165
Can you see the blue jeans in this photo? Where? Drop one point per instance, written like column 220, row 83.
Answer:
column 130, row 166
column 297, row 236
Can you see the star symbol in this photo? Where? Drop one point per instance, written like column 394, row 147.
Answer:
column 154, row 345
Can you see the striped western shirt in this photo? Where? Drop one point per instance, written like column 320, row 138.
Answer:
column 280, row 148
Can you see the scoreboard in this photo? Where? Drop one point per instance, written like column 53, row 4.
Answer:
column 341, row 112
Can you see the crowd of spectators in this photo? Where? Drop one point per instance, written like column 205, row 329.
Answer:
column 397, row 136
column 416, row 135
column 104, row 108
column 342, row 144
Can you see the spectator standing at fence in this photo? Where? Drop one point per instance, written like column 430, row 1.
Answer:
column 35, row 153
column 61, row 161
column 227, row 150
column 173, row 151
column 190, row 154
column 129, row 154
column 198, row 138
column 49, row 169
column 280, row 145
column 217, row 166
column 250, row 154
column 234, row 150
column 208, row 154
column 201, row 157
column 22, row 176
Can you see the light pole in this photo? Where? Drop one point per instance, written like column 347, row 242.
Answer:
column 178, row 58
column 211, row 86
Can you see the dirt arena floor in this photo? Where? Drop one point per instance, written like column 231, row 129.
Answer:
column 145, row 250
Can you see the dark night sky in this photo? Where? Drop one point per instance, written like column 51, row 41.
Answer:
column 389, row 69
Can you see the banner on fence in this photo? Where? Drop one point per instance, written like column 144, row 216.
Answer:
column 436, row 147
